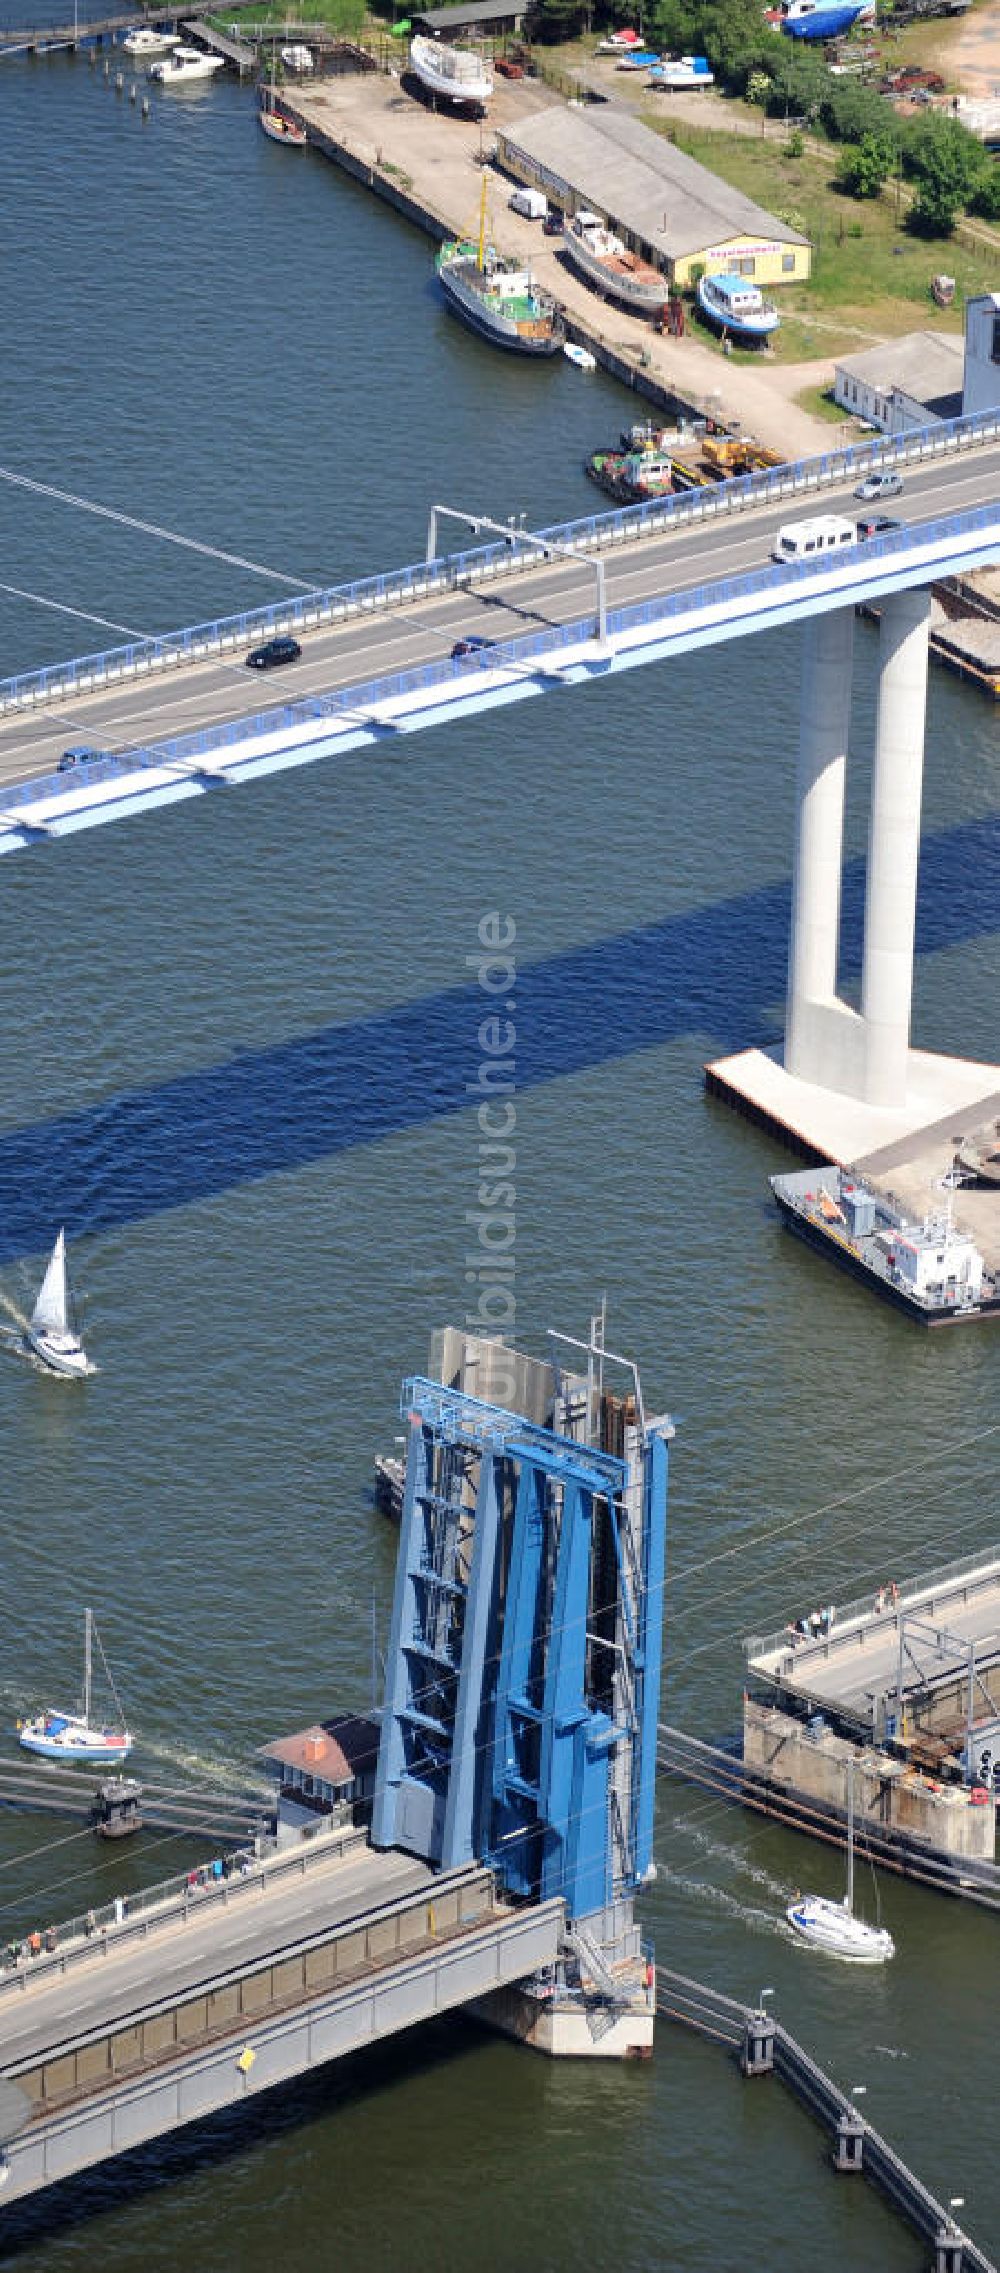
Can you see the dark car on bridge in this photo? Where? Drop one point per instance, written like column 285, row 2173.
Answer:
column 79, row 754
column 877, row 525
column 475, row 645
column 281, row 649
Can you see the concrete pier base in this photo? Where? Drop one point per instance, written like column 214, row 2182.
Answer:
column 849, row 2151
column 566, row 2028
column 824, row 1124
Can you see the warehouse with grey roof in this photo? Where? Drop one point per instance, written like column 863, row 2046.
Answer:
column 662, row 203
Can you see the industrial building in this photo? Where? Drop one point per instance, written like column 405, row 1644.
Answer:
column 906, row 1682
column 664, row 206
column 903, row 383
column 924, row 375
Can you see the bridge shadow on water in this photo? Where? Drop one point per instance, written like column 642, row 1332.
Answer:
column 715, row 971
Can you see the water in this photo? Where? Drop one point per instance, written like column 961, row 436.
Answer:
column 237, row 1042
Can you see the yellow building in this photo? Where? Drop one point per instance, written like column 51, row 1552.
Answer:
column 663, row 204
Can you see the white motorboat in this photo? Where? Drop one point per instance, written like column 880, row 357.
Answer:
column 184, row 66
column 51, row 1330
column 146, row 44
column 832, row 1926
column 581, row 356
column 298, row 58
column 74, row 1735
column 456, row 75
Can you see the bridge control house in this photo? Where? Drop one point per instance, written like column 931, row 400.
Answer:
column 663, row 204
column 325, row 1775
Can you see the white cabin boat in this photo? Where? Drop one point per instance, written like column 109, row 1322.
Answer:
column 298, row 58
column 456, row 75
column 832, row 1926
column 145, row 44
column 606, row 263
column 74, row 1735
column 184, row 66
column 52, row 1330
column 737, row 307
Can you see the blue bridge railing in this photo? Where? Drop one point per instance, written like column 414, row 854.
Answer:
column 290, row 721
column 594, row 531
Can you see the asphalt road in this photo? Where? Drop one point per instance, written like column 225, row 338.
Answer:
column 851, row 1674
column 179, row 1956
column 222, row 689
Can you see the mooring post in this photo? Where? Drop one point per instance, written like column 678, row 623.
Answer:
column 949, row 2250
column 849, row 2152
column 757, row 2056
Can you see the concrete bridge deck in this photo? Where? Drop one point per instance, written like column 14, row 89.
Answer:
column 191, row 696
column 138, row 2038
column 858, row 1658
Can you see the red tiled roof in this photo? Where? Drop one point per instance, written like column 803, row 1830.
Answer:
column 312, row 1750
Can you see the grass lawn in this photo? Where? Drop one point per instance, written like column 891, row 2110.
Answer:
column 870, row 278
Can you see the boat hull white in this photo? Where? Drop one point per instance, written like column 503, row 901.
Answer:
column 644, row 289
column 60, row 1353
column 146, row 45
column 747, row 327
column 185, row 68
column 74, row 1741
column 451, row 81
column 832, row 1928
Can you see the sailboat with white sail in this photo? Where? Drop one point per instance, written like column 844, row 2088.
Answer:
column 75, row 1735
column 832, row 1926
column 52, row 1329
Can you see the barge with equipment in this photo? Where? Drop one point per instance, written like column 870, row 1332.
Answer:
column 930, row 1269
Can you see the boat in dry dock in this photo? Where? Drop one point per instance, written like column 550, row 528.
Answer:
column 607, row 264
column 928, row 1268
column 498, row 296
column 455, row 75
column 737, row 308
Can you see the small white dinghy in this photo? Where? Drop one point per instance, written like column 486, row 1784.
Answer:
column 51, row 1330
column 74, row 1736
column 832, row 1926
column 581, row 356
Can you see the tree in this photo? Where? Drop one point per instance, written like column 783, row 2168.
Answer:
column 986, row 200
column 867, row 165
column 947, row 163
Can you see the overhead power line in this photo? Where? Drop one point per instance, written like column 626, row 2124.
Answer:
column 145, row 528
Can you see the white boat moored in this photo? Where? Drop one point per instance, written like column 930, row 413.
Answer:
column 145, row 43
column 184, row 66
column 581, row 356
column 51, row 1331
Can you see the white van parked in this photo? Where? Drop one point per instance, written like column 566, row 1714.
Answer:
column 803, row 540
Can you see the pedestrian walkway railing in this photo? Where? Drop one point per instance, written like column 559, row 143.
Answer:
column 765, row 2047
column 314, row 720
column 314, row 610
column 969, row 1574
column 228, row 1878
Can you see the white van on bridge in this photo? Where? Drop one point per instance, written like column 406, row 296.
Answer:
column 800, row 540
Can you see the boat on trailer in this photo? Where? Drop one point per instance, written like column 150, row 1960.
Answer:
column 74, row 1735
column 605, row 262
column 455, row 75
column 737, row 307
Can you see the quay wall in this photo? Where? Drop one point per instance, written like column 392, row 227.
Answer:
column 886, row 1793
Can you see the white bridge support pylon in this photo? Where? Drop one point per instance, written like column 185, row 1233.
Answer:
column 828, row 1044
